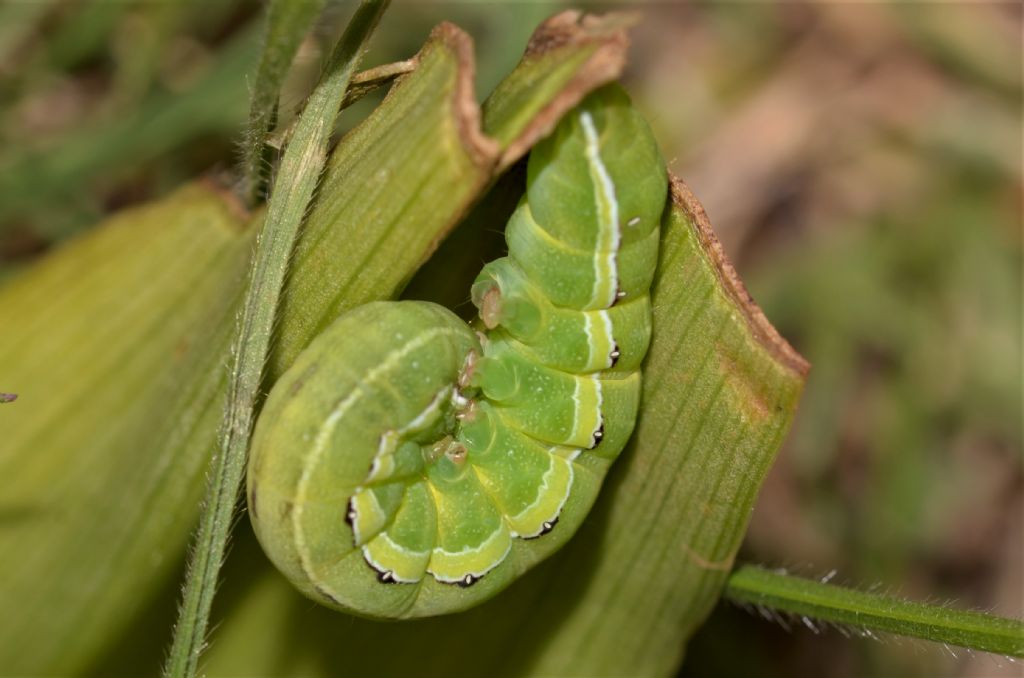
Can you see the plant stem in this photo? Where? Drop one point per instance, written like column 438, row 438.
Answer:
column 808, row 598
column 300, row 169
column 288, row 21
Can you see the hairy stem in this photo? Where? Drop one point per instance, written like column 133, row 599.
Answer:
column 288, row 21
column 874, row 612
column 300, row 168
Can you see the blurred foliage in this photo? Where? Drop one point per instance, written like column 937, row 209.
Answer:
column 138, row 97
column 861, row 164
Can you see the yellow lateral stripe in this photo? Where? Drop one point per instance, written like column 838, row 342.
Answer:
column 587, row 401
column 453, row 567
column 369, row 518
column 600, row 341
column 529, row 522
column 556, row 482
column 609, row 333
column 386, row 555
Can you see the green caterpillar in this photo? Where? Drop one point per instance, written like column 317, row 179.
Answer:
column 407, row 465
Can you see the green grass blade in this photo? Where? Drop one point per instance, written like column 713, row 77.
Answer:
column 288, row 22
column 864, row 611
column 300, row 169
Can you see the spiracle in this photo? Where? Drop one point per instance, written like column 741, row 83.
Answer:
column 407, row 465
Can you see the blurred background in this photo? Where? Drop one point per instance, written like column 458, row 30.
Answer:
column 862, row 164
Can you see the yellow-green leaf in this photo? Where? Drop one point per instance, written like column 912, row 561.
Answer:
column 115, row 346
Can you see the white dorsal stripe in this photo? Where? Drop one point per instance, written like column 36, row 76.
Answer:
column 609, row 235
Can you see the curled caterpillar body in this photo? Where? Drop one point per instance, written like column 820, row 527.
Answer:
column 406, row 466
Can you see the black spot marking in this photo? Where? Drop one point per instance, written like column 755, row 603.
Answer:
column 546, row 527
column 467, row 581
column 383, row 576
column 350, row 514
column 326, row 595
column 598, row 434
column 615, row 353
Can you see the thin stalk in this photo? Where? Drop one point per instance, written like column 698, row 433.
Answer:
column 288, row 22
column 366, row 81
column 361, row 84
column 303, row 160
column 818, row 600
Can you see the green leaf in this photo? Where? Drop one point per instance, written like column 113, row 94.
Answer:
column 115, row 346
column 568, row 56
